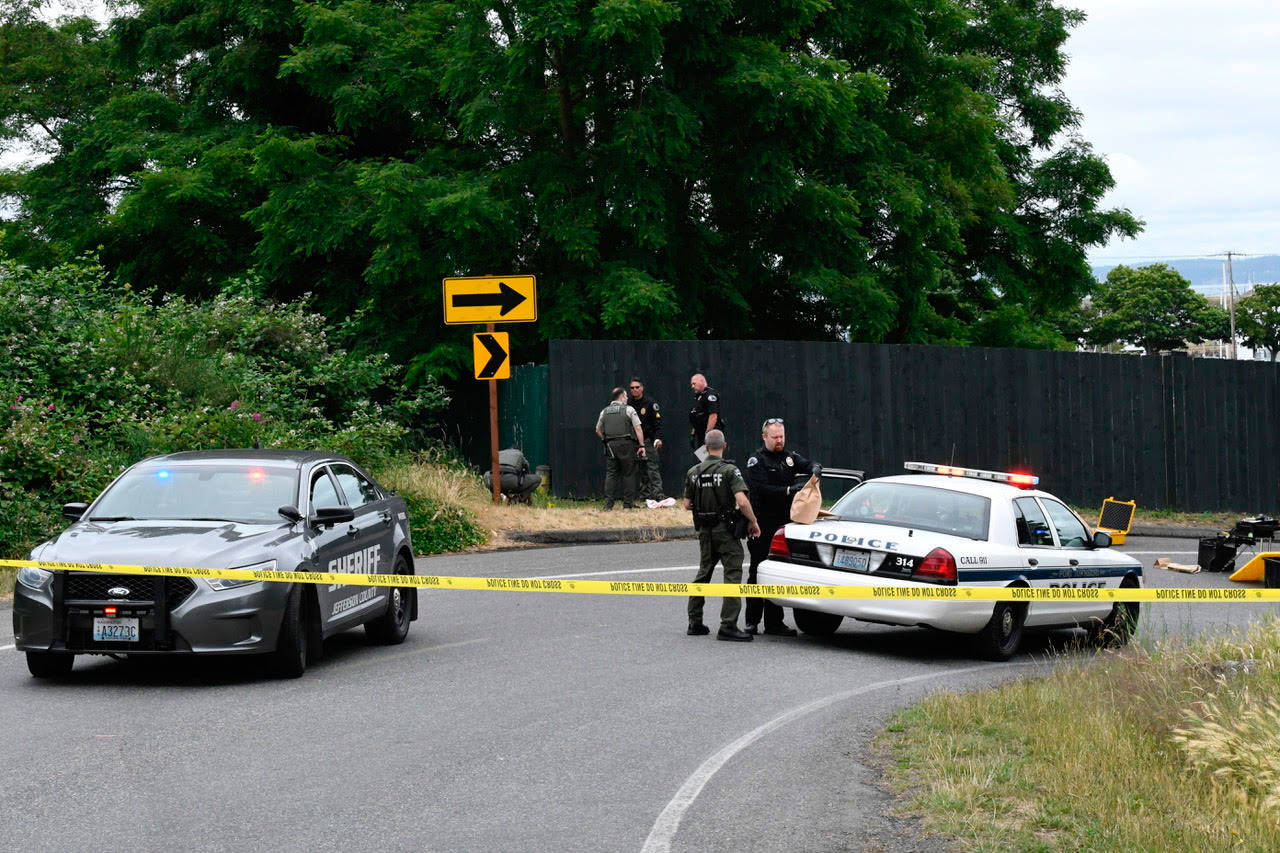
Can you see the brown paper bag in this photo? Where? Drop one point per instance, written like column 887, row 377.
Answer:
column 807, row 503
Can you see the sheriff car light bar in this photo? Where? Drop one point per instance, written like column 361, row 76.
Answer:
column 1023, row 480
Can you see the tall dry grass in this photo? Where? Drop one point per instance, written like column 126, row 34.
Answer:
column 445, row 482
column 1171, row 746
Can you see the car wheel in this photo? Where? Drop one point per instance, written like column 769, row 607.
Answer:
column 1119, row 626
column 1001, row 636
column 289, row 660
column 49, row 664
column 815, row 622
column 392, row 626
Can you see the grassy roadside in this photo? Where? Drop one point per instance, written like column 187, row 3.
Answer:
column 1168, row 746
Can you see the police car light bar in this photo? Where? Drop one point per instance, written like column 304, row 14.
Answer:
column 1021, row 480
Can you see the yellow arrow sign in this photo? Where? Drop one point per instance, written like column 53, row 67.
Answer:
column 493, row 355
column 490, row 299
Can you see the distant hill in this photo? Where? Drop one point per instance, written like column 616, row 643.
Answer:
column 1205, row 274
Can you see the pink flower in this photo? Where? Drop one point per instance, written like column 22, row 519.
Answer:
column 257, row 416
column 19, row 398
column 51, row 407
column 235, row 404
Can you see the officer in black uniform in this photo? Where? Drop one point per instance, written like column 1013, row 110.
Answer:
column 717, row 494
column 649, row 472
column 771, row 478
column 619, row 428
column 705, row 414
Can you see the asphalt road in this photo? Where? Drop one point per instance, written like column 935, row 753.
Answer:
column 507, row 721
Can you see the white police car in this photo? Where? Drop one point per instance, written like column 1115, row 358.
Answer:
column 954, row 526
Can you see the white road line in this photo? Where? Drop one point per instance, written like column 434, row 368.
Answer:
column 1162, row 553
column 6, row 648
column 668, row 823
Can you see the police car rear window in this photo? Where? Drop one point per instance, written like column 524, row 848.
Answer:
column 918, row 507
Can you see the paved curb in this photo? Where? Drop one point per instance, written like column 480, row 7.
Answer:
column 606, row 534
column 1173, row 532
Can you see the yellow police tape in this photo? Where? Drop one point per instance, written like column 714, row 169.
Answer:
column 940, row 593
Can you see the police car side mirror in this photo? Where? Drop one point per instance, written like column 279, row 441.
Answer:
column 290, row 512
column 327, row 516
column 1101, row 540
column 74, row 511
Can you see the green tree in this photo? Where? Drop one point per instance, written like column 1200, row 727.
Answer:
column 886, row 170
column 1258, row 318
column 1152, row 307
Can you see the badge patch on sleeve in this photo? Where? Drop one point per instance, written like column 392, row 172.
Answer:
column 790, row 462
column 711, row 398
column 751, row 461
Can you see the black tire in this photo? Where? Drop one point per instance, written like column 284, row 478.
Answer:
column 390, row 628
column 815, row 622
column 1118, row 627
column 1001, row 636
column 289, row 660
column 50, row 664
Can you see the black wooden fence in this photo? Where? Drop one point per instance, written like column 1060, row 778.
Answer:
column 1170, row 431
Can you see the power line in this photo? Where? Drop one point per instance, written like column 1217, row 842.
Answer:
column 1203, row 256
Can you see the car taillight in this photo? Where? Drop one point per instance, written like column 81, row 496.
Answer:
column 778, row 545
column 938, row 567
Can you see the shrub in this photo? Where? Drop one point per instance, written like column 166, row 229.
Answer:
column 442, row 494
column 94, row 376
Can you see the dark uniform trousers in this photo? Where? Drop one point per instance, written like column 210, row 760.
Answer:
column 718, row 544
column 759, row 549
column 650, row 474
column 620, row 470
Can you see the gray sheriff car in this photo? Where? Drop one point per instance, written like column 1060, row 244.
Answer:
column 227, row 509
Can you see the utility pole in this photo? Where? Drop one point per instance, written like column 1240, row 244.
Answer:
column 1231, row 296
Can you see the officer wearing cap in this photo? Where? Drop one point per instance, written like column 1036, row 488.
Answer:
column 771, row 477
column 717, row 494
column 619, row 428
column 705, row 414
column 649, row 472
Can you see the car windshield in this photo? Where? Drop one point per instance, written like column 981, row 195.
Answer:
column 920, row 507
column 217, row 491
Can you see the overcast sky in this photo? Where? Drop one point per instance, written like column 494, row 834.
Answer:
column 1182, row 97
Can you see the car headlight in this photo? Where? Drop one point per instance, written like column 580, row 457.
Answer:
column 33, row 578
column 220, row 584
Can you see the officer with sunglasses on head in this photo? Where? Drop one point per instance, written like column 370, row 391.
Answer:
column 772, row 482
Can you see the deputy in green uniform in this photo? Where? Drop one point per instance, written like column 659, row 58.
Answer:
column 619, row 428
column 717, row 494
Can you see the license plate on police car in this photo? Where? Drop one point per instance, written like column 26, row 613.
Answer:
column 115, row 630
column 859, row 561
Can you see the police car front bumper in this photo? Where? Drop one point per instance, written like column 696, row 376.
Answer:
column 965, row 617
column 242, row 620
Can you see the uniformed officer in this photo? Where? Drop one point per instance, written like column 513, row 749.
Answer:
column 515, row 480
column 649, row 472
column 705, row 414
column 771, row 477
column 619, row 428
column 717, row 494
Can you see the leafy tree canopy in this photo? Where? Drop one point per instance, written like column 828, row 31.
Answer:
column 886, row 170
column 1258, row 318
column 1152, row 307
